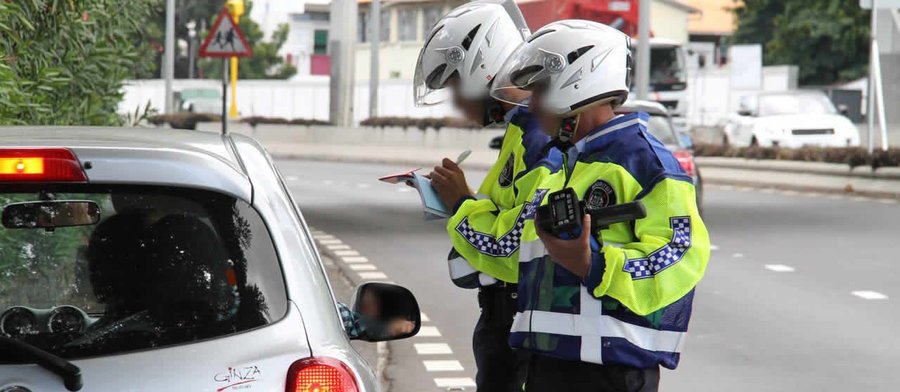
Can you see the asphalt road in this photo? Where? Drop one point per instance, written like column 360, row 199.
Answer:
column 801, row 292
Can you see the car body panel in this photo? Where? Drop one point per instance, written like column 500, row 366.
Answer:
column 206, row 160
column 259, row 359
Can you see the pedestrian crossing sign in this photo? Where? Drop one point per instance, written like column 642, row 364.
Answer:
column 225, row 39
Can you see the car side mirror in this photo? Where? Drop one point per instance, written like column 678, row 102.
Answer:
column 387, row 312
column 496, row 143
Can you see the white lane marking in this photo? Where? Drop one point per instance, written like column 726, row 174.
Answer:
column 404, row 189
column 859, row 198
column 737, row 255
column 330, row 242
column 767, row 191
column 324, row 237
column 362, row 267
column 432, row 348
column 813, row 194
column 779, row 268
column 355, row 259
column 343, row 253
column 455, row 382
column 424, row 317
column 726, row 187
column 868, row 294
column 328, row 182
column 887, row 201
column 835, row 196
column 713, row 247
column 428, row 332
column 291, row 178
column 443, row 366
column 790, row 193
column 337, row 247
column 372, row 275
column 363, row 185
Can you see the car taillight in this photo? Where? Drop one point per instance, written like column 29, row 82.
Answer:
column 686, row 159
column 39, row 164
column 319, row 375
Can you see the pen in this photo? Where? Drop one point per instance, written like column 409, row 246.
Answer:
column 462, row 157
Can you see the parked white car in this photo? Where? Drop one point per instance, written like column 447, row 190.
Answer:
column 790, row 119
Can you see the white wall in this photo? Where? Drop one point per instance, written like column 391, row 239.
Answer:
column 305, row 98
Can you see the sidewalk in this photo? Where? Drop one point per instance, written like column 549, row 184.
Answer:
column 798, row 176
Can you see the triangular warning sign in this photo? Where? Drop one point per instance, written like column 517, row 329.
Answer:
column 225, row 39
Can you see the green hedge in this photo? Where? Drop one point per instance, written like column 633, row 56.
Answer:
column 852, row 156
column 183, row 120
column 420, row 123
column 256, row 120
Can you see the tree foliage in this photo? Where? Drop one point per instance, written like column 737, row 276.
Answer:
column 827, row 39
column 63, row 61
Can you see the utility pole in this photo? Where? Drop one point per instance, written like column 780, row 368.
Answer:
column 169, row 66
column 642, row 74
column 873, row 54
column 342, row 47
column 375, row 17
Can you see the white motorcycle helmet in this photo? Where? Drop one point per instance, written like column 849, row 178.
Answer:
column 471, row 42
column 575, row 63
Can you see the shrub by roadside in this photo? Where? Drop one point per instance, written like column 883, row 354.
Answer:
column 420, row 123
column 852, row 156
column 183, row 120
column 256, row 120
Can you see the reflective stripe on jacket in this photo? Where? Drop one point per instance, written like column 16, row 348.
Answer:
column 522, row 150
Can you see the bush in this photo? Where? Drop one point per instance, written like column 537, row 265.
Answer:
column 183, row 120
column 852, row 156
column 421, row 123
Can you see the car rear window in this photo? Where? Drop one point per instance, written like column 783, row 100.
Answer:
column 661, row 128
column 161, row 267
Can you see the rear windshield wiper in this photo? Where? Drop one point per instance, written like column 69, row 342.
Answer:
column 70, row 373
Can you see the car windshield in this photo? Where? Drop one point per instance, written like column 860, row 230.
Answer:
column 774, row 105
column 160, row 267
column 666, row 67
column 661, row 128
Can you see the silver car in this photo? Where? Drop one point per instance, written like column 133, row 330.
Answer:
column 151, row 260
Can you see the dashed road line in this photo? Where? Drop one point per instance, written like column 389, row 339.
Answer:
column 450, row 365
column 433, row 348
column 362, row 267
column 454, row 383
column 337, row 246
column 355, row 259
column 779, row 268
column 737, row 255
column 344, row 253
column 869, row 295
column 329, row 242
column 372, row 275
column 713, row 247
column 428, row 332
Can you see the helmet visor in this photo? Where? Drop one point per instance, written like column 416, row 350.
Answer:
column 427, row 89
column 527, row 69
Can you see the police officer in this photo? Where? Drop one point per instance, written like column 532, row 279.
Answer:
column 463, row 53
column 602, row 311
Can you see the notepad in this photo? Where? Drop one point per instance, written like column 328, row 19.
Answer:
column 432, row 205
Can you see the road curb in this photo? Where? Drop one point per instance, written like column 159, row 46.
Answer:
column 800, row 167
column 382, row 349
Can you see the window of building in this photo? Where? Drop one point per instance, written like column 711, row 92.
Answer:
column 320, row 42
column 362, row 28
column 385, row 26
column 432, row 15
column 407, row 21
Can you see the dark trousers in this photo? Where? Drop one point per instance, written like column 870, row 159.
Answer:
column 498, row 365
column 546, row 374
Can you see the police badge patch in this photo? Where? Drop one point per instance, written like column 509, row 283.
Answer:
column 599, row 195
column 506, row 176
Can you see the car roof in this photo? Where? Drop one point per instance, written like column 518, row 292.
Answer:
column 143, row 156
column 650, row 107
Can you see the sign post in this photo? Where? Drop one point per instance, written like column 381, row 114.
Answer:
column 225, row 40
